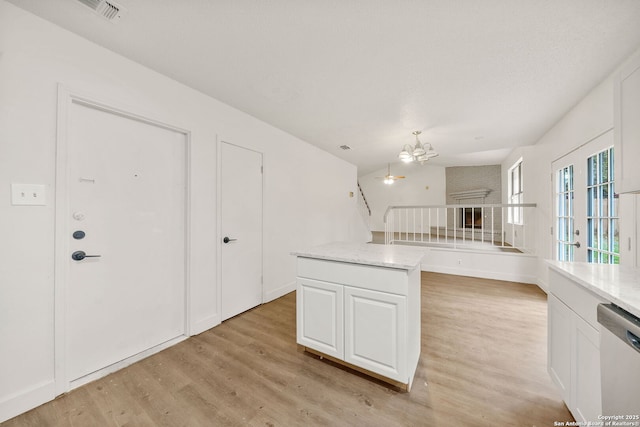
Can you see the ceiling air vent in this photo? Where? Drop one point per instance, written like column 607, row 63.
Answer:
column 344, row 147
column 107, row 9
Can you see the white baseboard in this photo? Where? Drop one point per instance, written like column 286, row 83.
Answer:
column 124, row 363
column 277, row 293
column 542, row 284
column 202, row 325
column 26, row 400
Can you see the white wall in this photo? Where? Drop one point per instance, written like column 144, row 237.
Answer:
column 513, row 267
column 306, row 190
column 409, row 191
column 591, row 117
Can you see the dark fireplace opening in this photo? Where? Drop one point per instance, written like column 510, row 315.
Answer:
column 471, row 217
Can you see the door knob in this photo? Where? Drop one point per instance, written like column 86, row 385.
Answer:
column 80, row 255
column 227, row 240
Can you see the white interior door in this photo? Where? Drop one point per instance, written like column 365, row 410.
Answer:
column 241, row 229
column 126, row 203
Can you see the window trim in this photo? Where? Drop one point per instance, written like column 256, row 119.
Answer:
column 515, row 215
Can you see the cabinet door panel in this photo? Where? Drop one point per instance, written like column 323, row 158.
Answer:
column 375, row 332
column 320, row 316
column 560, row 323
column 586, row 372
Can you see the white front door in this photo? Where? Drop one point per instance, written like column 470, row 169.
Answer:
column 126, row 211
column 241, row 229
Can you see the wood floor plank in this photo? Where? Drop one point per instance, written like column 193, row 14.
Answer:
column 483, row 363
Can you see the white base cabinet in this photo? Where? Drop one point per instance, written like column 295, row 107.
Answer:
column 366, row 316
column 574, row 346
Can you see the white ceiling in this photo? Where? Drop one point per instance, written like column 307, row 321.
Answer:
column 478, row 77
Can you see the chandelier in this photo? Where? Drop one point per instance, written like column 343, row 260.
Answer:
column 417, row 153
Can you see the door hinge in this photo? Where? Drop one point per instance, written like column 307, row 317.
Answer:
column 261, row 280
column 261, row 169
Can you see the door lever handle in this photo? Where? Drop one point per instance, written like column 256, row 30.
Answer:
column 576, row 244
column 80, row 255
column 227, row 240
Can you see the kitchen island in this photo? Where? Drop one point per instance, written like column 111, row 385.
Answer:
column 359, row 305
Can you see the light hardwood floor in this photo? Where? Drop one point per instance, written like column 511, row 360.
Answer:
column 483, row 363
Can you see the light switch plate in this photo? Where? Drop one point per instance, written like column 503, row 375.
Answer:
column 28, row 195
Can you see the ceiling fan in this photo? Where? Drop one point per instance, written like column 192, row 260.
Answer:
column 388, row 178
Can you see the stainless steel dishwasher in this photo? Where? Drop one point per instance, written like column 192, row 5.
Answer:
column 619, row 362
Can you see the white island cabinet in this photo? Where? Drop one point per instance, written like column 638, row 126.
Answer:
column 359, row 305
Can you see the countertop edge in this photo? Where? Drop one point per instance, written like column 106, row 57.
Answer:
column 396, row 266
column 396, row 257
column 561, row 268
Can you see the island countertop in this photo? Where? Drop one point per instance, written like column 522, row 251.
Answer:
column 616, row 283
column 391, row 256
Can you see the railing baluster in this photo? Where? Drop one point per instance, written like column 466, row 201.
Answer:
column 483, row 225
column 414, row 225
column 513, row 235
column 524, row 229
column 473, row 225
column 455, row 228
column 386, row 229
column 502, row 232
column 438, row 221
column 430, row 225
column 394, row 223
column 393, row 226
column 387, row 224
column 493, row 223
column 406, row 225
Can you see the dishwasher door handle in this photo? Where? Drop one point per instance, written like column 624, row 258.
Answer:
column 621, row 323
column 633, row 340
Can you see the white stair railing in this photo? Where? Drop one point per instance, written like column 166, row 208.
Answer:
column 468, row 226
